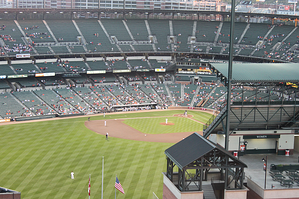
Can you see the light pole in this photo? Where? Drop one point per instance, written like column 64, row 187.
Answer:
column 265, row 168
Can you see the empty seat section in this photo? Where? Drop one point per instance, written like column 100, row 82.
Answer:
column 6, row 70
column 26, row 82
column 97, row 65
column 143, row 47
column 158, row 64
column 77, row 49
column 63, row 30
column 138, row 29
column 116, row 28
column 95, row 36
column 205, row 31
column 3, row 84
column 182, row 30
column 160, row 28
column 43, row 50
column 60, row 49
column 139, row 64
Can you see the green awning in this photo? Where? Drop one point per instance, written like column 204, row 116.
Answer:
column 260, row 72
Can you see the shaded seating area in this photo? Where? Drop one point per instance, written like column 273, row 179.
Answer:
column 286, row 175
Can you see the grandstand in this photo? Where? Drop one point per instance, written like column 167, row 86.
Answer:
column 74, row 66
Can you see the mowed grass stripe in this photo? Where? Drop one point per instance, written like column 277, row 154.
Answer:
column 42, row 154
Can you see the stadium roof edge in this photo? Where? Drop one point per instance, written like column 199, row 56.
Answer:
column 259, row 72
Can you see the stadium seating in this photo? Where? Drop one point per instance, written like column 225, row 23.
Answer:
column 175, row 91
column 36, row 30
column 105, row 94
column 124, row 97
column 11, row 108
column 160, row 28
column 34, row 104
column 120, row 33
column 139, row 64
column 25, row 68
column 138, row 30
column 74, row 99
column 189, row 92
column 97, row 65
column 90, row 97
column 148, row 89
column 137, row 93
column 57, row 102
column 217, row 93
column 4, row 84
column 160, row 89
column 182, row 30
column 7, row 70
column 63, row 30
column 95, row 37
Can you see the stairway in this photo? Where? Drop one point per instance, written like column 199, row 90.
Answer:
column 208, row 191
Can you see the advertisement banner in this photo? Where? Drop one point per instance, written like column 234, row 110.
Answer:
column 22, row 55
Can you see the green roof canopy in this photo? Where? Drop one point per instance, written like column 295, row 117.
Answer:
column 260, row 72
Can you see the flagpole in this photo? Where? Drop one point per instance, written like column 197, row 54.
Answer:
column 115, row 189
column 88, row 185
column 102, row 177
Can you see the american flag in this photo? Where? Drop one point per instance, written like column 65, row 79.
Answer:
column 118, row 186
column 89, row 186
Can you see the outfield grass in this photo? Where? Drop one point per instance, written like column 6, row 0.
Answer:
column 37, row 159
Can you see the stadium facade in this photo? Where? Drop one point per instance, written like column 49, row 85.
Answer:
column 120, row 4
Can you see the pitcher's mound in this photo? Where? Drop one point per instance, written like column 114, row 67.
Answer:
column 168, row 123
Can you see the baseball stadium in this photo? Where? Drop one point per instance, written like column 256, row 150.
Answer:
column 172, row 103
